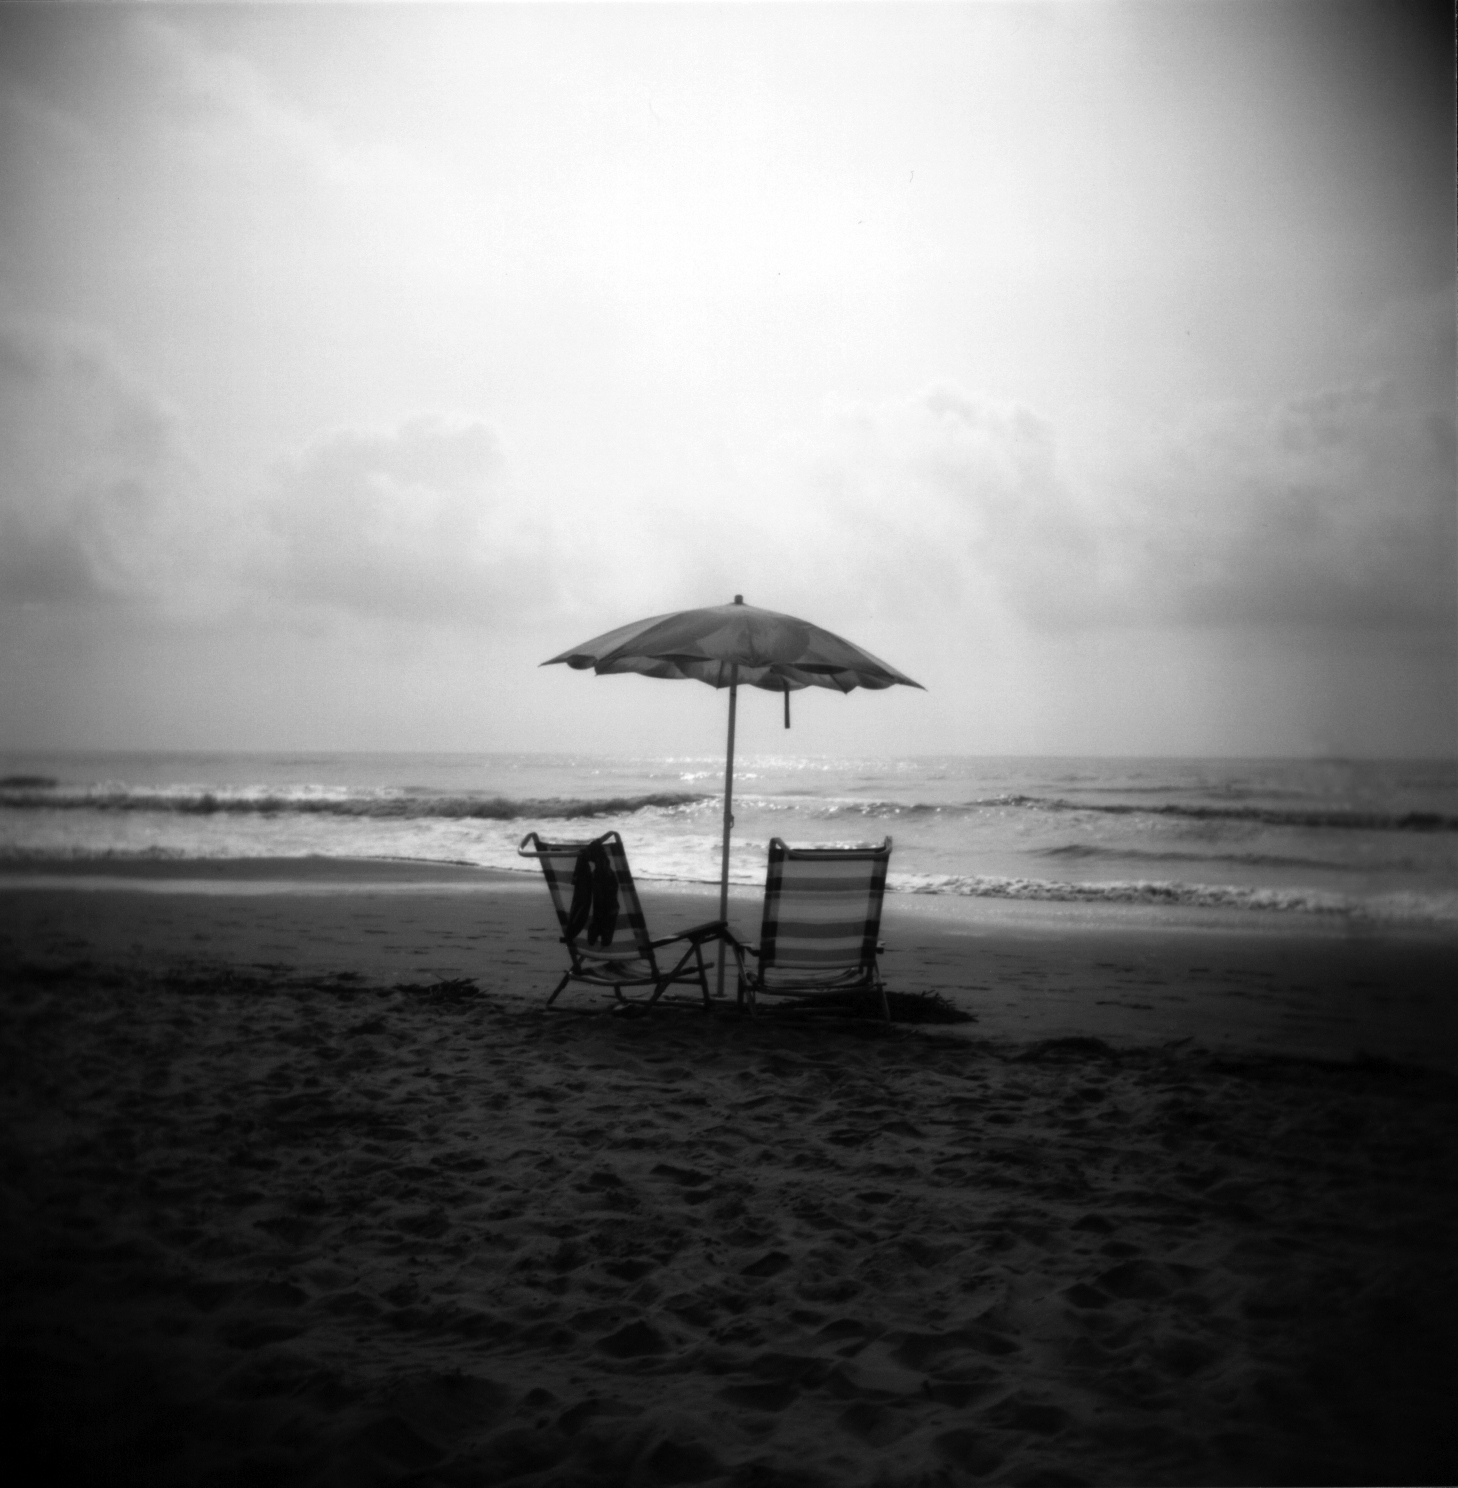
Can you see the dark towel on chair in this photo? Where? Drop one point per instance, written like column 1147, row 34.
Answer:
column 594, row 896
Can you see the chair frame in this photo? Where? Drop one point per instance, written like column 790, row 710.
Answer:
column 863, row 974
column 636, row 963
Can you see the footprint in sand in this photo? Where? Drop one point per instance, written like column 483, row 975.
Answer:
column 850, row 1333
column 773, row 1397
column 1020, row 1414
column 875, row 1424
column 770, row 1264
column 1095, row 1222
column 636, row 1341
column 1082, row 1295
column 388, row 1440
column 247, row 1333
column 968, row 1450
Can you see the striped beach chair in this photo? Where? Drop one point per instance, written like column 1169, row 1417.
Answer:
column 822, row 920
column 630, row 958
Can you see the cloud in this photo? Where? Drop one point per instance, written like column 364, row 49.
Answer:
column 413, row 522
column 95, row 478
column 962, row 496
column 1331, row 509
column 102, row 504
column 136, row 87
column 865, row 513
column 164, row 186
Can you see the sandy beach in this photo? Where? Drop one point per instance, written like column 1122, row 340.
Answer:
column 302, row 1185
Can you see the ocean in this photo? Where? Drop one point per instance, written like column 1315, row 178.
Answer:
column 1364, row 839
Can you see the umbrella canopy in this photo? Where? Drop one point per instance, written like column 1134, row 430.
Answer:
column 734, row 645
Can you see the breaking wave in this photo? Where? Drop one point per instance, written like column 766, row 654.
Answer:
column 1270, row 816
column 1085, row 852
column 383, row 805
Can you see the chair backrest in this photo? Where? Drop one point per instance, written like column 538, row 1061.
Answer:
column 559, row 863
column 822, row 906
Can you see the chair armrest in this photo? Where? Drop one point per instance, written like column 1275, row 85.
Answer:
column 740, row 946
column 710, row 930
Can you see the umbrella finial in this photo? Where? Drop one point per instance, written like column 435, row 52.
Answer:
column 738, row 599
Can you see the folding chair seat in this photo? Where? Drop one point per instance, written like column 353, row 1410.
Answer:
column 821, row 926
column 625, row 957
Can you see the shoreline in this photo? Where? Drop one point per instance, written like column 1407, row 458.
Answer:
column 294, row 873
column 1131, row 975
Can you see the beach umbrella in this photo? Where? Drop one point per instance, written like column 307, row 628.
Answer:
column 734, row 645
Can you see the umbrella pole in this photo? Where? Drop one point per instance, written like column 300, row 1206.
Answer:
column 728, row 823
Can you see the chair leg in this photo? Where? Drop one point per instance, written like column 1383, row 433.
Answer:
column 559, row 987
column 885, row 1006
column 747, row 999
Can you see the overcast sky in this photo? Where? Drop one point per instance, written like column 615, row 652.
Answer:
column 1092, row 363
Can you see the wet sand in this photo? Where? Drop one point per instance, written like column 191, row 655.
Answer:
column 302, row 1185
